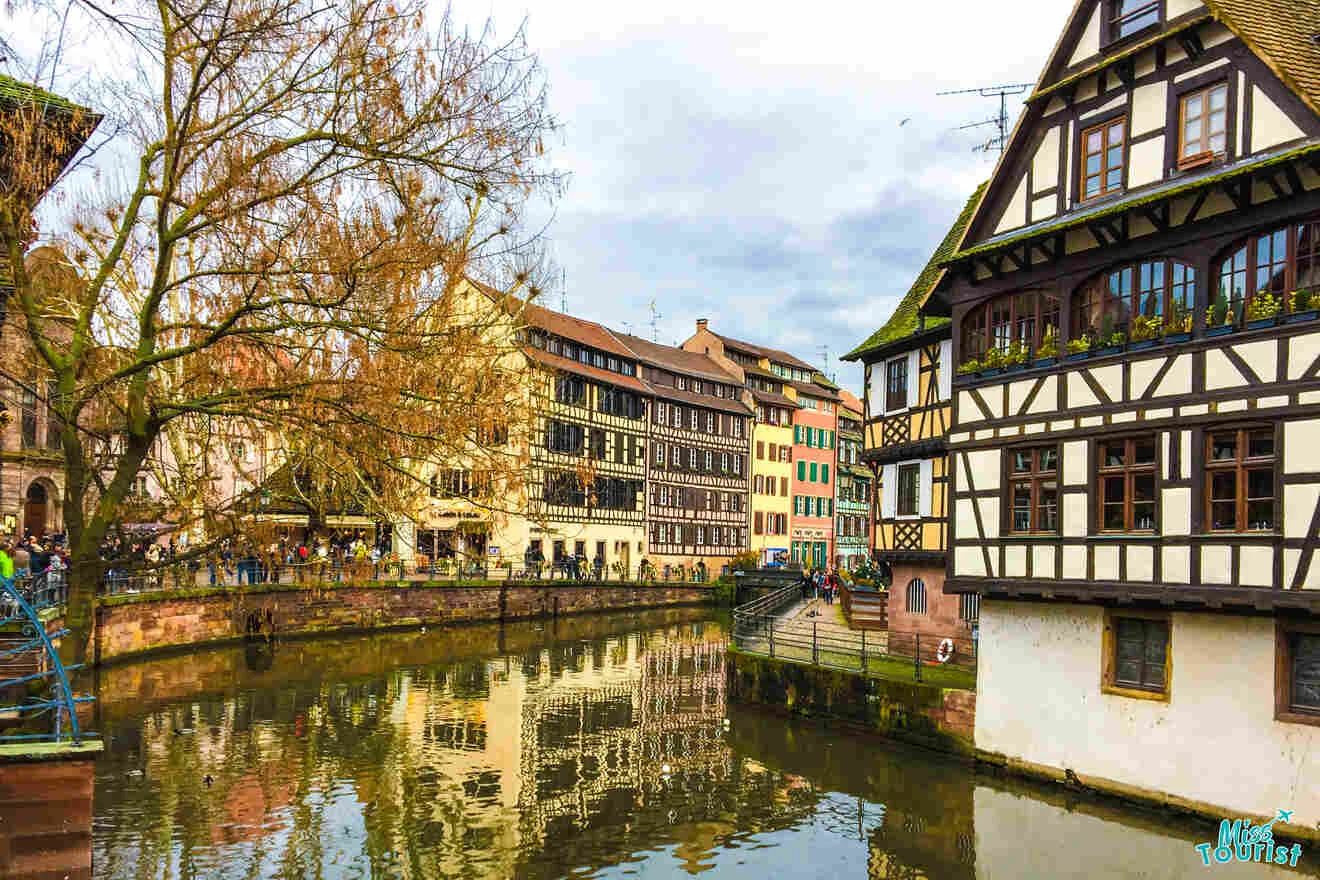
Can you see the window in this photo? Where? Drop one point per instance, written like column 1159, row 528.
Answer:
column 692, row 458
column 916, row 596
column 896, row 379
column 1204, row 115
column 825, row 474
column 909, row 490
column 1136, row 658
column 570, row 390
column 28, row 436
column 783, row 486
column 760, row 450
column 969, row 607
column 676, row 456
column 1240, row 480
column 1033, row 489
column 693, row 416
column 1127, row 17
column 566, row 438
column 1102, row 159
column 1283, row 262
column 660, row 454
column 709, row 457
column 814, row 472
column 758, row 520
column 1126, row 485
column 1025, row 318
column 710, row 423
column 1161, row 292
column 1297, row 672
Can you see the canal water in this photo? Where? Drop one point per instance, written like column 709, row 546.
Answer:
column 597, row 746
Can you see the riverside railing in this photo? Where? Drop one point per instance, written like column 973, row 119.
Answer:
column 251, row 573
column 912, row 656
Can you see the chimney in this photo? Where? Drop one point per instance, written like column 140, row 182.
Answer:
column 701, row 324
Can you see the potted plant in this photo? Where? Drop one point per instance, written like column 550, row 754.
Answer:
column 1048, row 350
column 1305, row 306
column 1079, row 348
column 993, row 362
column 1263, row 309
column 1015, row 357
column 969, row 367
column 1113, row 343
column 1179, row 326
column 1146, row 330
column 1220, row 319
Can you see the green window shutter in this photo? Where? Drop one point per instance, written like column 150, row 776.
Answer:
column 809, row 438
column 831, row 507
column 802, row 471
column 825, row 474
column 797, row 433
column 813, row 472
column 831, row 439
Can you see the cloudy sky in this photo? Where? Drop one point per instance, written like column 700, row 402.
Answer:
column 745, row 161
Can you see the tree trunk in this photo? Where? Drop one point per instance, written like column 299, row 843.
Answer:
column 80, row 612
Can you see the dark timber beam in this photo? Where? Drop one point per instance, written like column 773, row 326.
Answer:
column 1294, row 179
column 1191, row 43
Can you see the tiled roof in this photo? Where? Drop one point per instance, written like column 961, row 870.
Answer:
column 555, row 362
column 677, row 360
column 773, row 354
column 811, row 389
column 850, row 401
column 566, row 326
column 1283, row 35
column 771, row 398
column 723, row 404
column 903, row 322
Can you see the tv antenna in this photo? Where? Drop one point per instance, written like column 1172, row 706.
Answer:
column 563, row 291
column 1000, row 122
column 655, row 323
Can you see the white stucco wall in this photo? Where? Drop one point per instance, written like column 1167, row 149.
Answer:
column 1215, row 741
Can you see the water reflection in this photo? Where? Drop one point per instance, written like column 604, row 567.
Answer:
column 591, row 747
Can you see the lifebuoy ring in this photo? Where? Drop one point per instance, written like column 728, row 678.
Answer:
column 945, row 653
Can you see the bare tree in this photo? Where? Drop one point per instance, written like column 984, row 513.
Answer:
column 307, row 185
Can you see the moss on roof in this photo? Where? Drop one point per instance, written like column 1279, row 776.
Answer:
column 16, row 92
column 1160, row 193
column 1282, row 33
column 904, row 321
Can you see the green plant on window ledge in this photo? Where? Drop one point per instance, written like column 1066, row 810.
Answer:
column 1180, row 320
column 1015, row 355
column 993, row 360
column 1313, row 302
column 1263, row 306
column 1049, row 345
column 969, row 366
column 1079, row 346
column 1116, row 339
column 1146, row 327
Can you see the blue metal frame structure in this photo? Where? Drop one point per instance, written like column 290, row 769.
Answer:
column 21, row 604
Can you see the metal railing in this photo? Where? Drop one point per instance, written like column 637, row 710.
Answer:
column 941, row 659
column 251, row 573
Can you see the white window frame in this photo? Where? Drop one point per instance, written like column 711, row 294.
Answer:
column 659, row 453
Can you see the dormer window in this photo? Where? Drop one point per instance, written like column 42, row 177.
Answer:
column 1127, row 17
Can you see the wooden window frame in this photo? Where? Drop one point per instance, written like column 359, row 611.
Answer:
column 1249, row 247
column 915, row 590
column 1206, row 156
column 1034, row 477
column 1042, row 317
column 1112, row 21
column 1284, row 630
column 1129, row 470
column 1132, row 301
column 890, row 376
column 1105, row 167
column 1109, row 655
column 910, row 467
column 1240, row 465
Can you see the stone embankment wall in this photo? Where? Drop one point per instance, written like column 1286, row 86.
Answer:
column 46, row 807
column 923, row 714
column 128, row 625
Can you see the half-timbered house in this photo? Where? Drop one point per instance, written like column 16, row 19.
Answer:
column 908, row 375
column 852, row 489
column 585, row 491
column 1135, row 434
column 699, row 468
column 769, row 375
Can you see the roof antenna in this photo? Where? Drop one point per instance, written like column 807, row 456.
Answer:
column 655, row 324
column 825, row 360
column 999, row 141
column 563, row 290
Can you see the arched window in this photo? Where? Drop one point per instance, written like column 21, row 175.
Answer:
column 1024, row 317
column 1283, row 263
column 1162, row 293
column 916, row 596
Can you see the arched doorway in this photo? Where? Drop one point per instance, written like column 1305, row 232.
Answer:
column 34, row 509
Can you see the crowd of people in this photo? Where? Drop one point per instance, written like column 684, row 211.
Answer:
column 32, row 557
column 819, row 583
